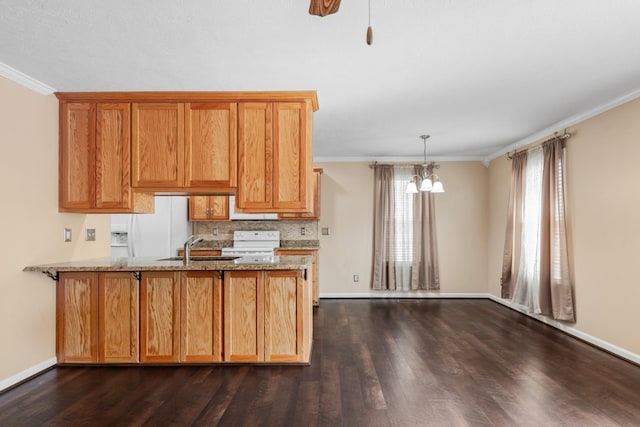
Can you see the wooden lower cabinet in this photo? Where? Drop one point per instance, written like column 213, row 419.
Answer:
column 181, row 317
column 77, row 318
column 97, row 318
column 160, row 317
column 287, row 312
column 118, row 302
column 267, row 317
column 201, row 316
column 314, row 274
column 202, row 252
column 244, row 316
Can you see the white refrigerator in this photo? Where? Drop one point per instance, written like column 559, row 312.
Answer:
column 159, row 234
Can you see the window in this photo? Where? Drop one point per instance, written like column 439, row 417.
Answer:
column 535, row 270
column 404, row 243
column 403, row 206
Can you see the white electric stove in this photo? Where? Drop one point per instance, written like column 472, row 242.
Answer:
column 253, row 243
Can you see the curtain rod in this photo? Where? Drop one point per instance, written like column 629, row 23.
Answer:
column 375, row 164
column 565, row 135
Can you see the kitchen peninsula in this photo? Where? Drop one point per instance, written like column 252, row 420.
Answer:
column 212, row 310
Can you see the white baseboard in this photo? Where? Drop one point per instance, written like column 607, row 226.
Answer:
column 604, row 345
column 27, row 373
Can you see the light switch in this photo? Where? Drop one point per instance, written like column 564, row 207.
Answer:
column 325, row 231
column 67, row 234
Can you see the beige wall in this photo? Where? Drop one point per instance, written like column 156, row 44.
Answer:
column 462, row 222
column 32, row 228
column 603, row 205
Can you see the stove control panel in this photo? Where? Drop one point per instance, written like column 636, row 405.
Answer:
column 256, row 235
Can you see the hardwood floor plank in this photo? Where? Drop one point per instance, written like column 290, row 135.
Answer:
column 374, row 363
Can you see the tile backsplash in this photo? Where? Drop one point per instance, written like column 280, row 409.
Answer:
column 289, row 229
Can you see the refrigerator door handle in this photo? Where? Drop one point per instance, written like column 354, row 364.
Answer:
column 131, row 234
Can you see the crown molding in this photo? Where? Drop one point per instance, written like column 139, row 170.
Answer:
column 330, row 159
column 25, row 80
column 563, row 124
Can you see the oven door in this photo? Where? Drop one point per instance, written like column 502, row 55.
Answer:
column 247, row 252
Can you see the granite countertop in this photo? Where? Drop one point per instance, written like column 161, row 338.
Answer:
column 299, row 244
column 155, row 264
column 284, row 244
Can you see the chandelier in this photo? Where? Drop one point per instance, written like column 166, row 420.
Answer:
column 429, row 180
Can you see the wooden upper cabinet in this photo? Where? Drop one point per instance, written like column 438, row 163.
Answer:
column 118, row 148
column 293, row 172
column 95, row 160
column 113, row 156
column 255, row 157
column 158, row 145
column 315, row 214
column 184, row 145
column 77, row 155
column 209, row 208
column 274, row 157
column 211, row 145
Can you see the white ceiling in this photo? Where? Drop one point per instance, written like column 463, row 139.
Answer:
column 479, row 76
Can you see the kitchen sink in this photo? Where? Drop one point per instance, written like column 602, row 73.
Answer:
column 201, row 258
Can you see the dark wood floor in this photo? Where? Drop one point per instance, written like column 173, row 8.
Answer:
column 375, row 363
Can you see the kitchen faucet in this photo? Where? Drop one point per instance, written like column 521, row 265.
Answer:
column 187, row 248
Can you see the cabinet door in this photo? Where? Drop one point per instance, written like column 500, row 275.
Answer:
column 255, row 157
column 219, row 208
column 198, row 208
column 292, row 152
column 315, row 214
column 119, row 318
column 313, row 276
column 113, row 156
column 243, row 316
column 77, row 318
column 201, row 316
column 157, row 145
column 160, row 317
column 210, row 131
column 284, row 317
column 208, row 208
column 77, row 155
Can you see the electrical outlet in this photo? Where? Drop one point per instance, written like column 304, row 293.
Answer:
column 356, row 278
column 325, row 231
column 67, row 234
column 303, row 231
column 90, row 235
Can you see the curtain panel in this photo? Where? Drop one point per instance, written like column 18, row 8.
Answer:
column 425, row 272
column 383, row 230
column 535, row 269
